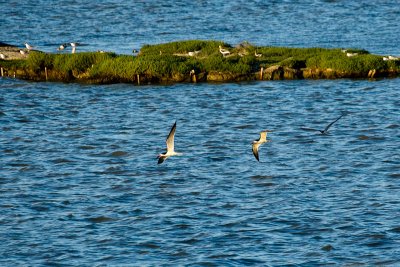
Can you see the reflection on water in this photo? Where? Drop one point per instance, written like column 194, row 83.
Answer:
column 80, row 181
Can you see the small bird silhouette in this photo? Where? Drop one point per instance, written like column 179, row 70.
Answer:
column 324, row 131
column 259, row 142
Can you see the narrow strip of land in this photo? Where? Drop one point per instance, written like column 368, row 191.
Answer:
column 196, row 61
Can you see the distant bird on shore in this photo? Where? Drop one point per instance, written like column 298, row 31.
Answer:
column 22, row 52
column 28, row 46
column 348, row 54
column 62, row 47
column 324, row 131
column 259, row 142
column 2, row 56
column 223, row 51
column 73, row 45
column 170, row 146
column 193, row 53
column 257, row 55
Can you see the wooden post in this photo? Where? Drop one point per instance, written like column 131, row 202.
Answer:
column 45, row 72
column 193, row 76
column 2, row 72
column 262, row 73
column 138, row 79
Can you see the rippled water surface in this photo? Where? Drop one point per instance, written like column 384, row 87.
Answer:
column 79, row 180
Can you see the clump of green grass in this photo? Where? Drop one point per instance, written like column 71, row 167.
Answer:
column 181, row 47
column 65, row 63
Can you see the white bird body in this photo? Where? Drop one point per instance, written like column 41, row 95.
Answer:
column 257, row 143
column 62, row 47
column 193, row 53
column 257, row 55
column 2, row 56
column 351, row 54
column 223, row 51
column 170, row 146
column 22, row 52
column 73, row 49
column 393, row 58
column 29, row 47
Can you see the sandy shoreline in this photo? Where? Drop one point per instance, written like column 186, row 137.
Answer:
column 12, row 52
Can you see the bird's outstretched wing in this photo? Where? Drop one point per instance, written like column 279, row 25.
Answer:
column 170, row 139
column 255, row 150
column 330, row 124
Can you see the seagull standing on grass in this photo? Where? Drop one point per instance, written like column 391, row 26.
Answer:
column 74, row 45
column 259, row 142
column 257, row 55
column 28, row 46
column 170, row 146
column 223, row 51
column 62, row 47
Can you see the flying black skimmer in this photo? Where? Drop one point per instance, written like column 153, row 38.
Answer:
column 223, row 51
column 170, row 146
column 28, row 46
column 324, row 131
column 259, row 142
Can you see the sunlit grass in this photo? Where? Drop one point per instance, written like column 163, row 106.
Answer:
column 171, row 59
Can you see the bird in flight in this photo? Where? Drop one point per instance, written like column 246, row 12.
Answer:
column 170, row 146
column 324, row 131
column 259, row 142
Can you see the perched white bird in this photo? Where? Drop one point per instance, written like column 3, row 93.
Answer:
column 22, row 52
column 259, row 142
column 170, row 146
column 2, row 56
column 62, row 47
column 257, row 55
column 393, row 58
column 351, row 54
column 223, row 51
column 193, row 53
column 29, row 47
column 385, row 58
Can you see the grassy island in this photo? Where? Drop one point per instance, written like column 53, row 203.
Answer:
column 201, row 61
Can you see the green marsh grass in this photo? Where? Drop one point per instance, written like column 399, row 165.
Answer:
column 174, row 60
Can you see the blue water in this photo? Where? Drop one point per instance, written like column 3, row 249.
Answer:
column 79, row 180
